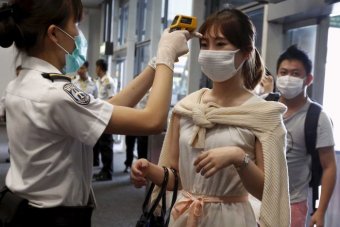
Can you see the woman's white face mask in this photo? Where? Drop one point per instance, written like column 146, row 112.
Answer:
column 218, row 65
column 289, row 86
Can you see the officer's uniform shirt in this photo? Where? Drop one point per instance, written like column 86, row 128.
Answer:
column 105, row 87
column 88, row 86
column 52, row 128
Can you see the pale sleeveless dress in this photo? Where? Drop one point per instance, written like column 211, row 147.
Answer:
column 226, row 182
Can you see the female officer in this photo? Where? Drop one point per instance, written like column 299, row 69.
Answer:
column 52, row 126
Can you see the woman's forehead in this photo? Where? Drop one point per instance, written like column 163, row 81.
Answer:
column 214, row 33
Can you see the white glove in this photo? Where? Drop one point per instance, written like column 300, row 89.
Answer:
column 152, row 63
column 171, row 46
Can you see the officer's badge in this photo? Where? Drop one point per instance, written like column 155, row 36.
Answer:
column 76, row 94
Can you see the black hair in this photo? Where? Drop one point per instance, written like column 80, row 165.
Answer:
column 25, row 22
column 294, row 53
column 102, row 64
column 86, row 64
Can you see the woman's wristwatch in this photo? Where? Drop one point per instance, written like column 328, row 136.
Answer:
column 244, row 163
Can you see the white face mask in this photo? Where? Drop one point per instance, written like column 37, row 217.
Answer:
column 218, row 65
column 289, row 86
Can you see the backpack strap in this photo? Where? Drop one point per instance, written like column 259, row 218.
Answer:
column 311, row 124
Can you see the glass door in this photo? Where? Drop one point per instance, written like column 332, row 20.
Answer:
column 331, row 87
column 304, row 38
column 332, row 78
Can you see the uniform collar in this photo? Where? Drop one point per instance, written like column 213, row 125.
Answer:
column 39, row 65
column 88, row 79
column 103, row 78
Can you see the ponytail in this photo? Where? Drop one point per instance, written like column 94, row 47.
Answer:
column 8, row 30
column 253, row 70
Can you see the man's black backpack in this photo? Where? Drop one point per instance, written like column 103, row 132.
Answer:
column 311, row 124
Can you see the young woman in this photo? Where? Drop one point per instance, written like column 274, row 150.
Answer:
column 225, row 142
column 52, row 125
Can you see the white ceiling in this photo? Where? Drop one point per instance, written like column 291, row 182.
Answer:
column 91, row 3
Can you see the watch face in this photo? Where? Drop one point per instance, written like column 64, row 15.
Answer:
column 244, row 163
column 246, row 159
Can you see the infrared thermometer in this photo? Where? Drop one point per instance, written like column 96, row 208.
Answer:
column 182, row 22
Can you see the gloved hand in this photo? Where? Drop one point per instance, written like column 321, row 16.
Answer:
column 152, row 63
column 171, row 46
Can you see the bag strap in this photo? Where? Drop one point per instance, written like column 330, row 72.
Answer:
column 162, row 191
column 311, row 124
column 163, row 209
column 174, row 196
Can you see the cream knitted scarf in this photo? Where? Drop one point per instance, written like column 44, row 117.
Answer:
column 264, row 119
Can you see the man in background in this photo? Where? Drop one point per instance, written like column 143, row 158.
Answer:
column 293, row 77
column 104, row 145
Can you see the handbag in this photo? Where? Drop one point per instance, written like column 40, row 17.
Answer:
column 148, row 219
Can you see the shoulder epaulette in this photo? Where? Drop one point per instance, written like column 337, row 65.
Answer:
column 106, row 80
column 56, row 76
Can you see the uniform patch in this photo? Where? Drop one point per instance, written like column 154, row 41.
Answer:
column 76, row 94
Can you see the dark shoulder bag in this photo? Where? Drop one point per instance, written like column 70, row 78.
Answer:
column 148, row 218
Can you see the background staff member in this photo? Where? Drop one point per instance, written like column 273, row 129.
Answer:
column 104, row 145
column 57, row 123
column 84, row 82
column 142, row 142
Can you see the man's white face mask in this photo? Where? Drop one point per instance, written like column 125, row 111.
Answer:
column 289, row 86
